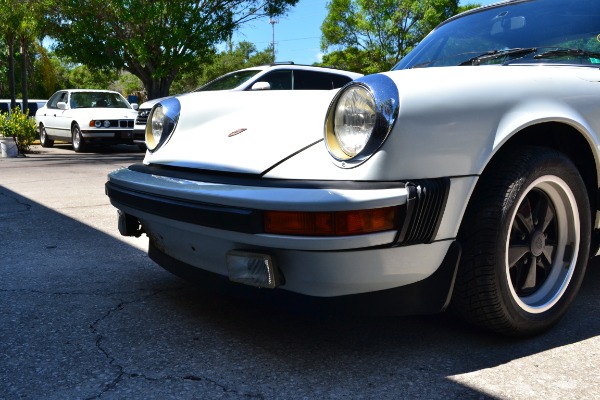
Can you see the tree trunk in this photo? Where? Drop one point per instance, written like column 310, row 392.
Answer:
column 10, row 42
column 24, row 106
column 158, row 87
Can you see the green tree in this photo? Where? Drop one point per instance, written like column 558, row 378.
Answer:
column 154, row 40
column 11, row 15
column 20, row 24
column 370, row 36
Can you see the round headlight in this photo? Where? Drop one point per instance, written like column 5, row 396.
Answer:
column 360, row 118
column 107, row 124
column 355, row 116
column 97, row 124
column 161, row 122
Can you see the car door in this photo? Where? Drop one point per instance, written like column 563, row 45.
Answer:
column 52, row 115
column 64, row 118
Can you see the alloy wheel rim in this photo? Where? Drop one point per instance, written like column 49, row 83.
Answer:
column 76, row 137
column 543, row 242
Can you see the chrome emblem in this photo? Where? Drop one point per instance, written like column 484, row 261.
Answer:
column 236, row 132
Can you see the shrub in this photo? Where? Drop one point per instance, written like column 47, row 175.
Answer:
column 19, row 126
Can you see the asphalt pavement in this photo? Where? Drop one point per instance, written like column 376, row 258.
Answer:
column 84, row 314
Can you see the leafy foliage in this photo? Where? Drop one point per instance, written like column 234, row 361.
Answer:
column 20, row 127
column 154, row 40
column 371, row 36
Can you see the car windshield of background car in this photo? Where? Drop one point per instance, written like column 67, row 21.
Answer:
column 97, row 99
column 229, row 81
column 556, row 31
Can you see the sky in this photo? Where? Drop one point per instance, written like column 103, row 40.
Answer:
column 298, row 34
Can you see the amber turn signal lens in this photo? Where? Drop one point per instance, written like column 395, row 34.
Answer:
column 340, row 223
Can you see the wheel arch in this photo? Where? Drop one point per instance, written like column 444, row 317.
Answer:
column 570, row 141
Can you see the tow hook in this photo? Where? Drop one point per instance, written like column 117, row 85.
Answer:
column 129, row 225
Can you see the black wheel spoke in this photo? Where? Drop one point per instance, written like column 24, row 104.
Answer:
column 544, row 214
column 516, row 252
column 529, row 274
column 524, row 217
column 547, row 254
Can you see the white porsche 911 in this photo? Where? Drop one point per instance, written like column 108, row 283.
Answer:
column 466, row 177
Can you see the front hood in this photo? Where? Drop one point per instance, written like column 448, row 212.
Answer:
column 245, row 132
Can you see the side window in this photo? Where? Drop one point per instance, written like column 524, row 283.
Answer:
column 313, row 80
column 56, row 97
column 54, row 100
column 279, row 80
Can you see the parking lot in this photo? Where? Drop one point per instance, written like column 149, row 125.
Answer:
column 84, row 314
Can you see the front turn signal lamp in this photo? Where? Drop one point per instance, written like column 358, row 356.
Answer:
column 339, row 223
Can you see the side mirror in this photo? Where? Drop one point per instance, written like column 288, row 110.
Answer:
column 62, row 105
column 261, row 86
column 135, row 106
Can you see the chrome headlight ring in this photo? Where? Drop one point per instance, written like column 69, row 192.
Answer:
column 360, row 118
column 161, row 123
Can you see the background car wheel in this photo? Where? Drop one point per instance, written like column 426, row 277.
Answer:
column 526, row 239
column 78, row 142
column 44, row 141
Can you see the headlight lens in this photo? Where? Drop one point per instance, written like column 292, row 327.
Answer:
column 355, row 116
column 97, row 124
column 360, row 118
column 161, row 123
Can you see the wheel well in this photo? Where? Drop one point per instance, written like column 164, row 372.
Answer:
column 569, row 141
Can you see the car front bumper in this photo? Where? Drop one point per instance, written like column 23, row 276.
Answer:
column 194, row 221
column 107, row 134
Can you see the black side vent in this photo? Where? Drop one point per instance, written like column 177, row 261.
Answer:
column 424, row 210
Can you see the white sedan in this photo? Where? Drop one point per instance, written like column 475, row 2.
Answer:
column 83, row 117
column 466, row 177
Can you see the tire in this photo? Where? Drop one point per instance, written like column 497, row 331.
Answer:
column 531, row 208
column 77, row 139
column 44, row 140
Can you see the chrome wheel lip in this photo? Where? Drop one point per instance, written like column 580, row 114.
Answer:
column 568, row 232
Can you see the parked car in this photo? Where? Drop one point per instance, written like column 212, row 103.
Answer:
column 278, row 76
column 84, row 116
column 468, row 176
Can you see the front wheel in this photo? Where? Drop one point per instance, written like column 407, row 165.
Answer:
column 77, row 139
column 526, row 237
column 44, row 140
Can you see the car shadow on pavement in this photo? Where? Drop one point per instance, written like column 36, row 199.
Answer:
column 87, row 315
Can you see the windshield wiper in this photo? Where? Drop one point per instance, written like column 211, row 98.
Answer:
column 566, row 53
column 494, row 54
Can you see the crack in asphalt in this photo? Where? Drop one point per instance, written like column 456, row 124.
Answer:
column 100, row 338
column 121, row 370
column 17, row 200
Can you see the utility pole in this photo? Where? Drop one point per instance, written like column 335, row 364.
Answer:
column 273, row 21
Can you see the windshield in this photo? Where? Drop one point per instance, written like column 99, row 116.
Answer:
column 98, row 99
column 229, row 81
column 540, row 31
